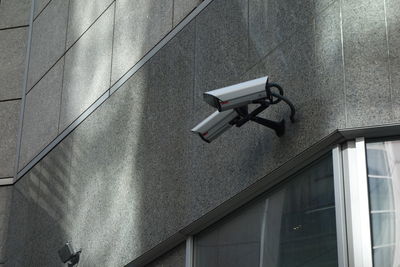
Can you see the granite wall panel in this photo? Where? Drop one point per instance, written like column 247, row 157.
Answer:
column 42, row 113
column 13, row 44
column 48, row 40
column 87, row 69
column 139, row 25
column 14, row 13
column 9, row 116
column 5, row 203
column 368, row 96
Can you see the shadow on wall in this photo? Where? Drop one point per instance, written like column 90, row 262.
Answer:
column 132, row 174
column 93, row 190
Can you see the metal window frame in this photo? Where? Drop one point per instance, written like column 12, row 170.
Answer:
column 340, row 209
column 189, row 257
column 357, row 204
column 353, row 226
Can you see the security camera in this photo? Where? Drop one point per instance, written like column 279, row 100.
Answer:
column 233, row 103
column 216, row 124
column 68, row 255
column 237, row 95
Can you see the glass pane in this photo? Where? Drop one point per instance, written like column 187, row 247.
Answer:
column 235, row 242
column 377, row 161
column 383, row 160
column 294, row 226
column 383, row 256
column 382, row 228
column 307, row 235
column 381, row 194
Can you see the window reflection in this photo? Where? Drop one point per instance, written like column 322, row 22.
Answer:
column 383, row 160
column 294, row 226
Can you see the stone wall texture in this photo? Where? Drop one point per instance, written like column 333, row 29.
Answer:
column 14, row 25
column 132, row 175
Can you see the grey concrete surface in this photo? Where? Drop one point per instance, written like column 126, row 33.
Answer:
column 14, row 13
column 52, row 220
column 12, row 57
column 174, row 258
column 9, row 116
column 272, row 22
column 115, row 200
column 182, row 8
column 42, row 110
column 393, row 21
column 320, row 5
column 40, row 5
column 82, row 14
column 368, row 99
column 5, row 203
column 23, row 213
column 48, row 40
column 139, row 25
column 328, row 76
column 87, row 69
column 221, row 45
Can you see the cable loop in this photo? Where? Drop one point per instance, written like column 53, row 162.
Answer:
column 270, row 95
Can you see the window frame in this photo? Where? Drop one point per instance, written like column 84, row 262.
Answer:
column 353, row 227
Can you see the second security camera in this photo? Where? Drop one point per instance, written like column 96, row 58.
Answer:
column 232, row 105
column 237, row 95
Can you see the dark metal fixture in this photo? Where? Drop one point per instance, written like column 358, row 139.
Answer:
column 68, row 255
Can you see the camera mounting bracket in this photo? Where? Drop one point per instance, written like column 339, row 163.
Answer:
column 74, row 259
column 272, row 98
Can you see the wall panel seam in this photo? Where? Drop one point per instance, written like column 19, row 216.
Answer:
column 23, row 91
column 41, row 11
column 388, row 56
column 14, row 27
column 114, row 87
column 112, row 45
column 343, row 60
column 67, row 49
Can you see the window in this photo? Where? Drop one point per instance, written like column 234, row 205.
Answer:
column 383, row 161
column 293, row 226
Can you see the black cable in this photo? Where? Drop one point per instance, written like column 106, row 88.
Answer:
column 287, row 101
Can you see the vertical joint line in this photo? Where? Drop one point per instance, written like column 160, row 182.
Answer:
column 23, row 91
column 173, row 14
column 388, row 56
column 112, row 44
column 194, row 65
column 343, row 59
column 62, row 78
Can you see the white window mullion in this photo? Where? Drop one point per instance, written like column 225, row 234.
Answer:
column 189, row 252
column 357, row 204
column 340, row 210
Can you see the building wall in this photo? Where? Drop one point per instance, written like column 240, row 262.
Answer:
column 131, row 175
column 14, row 21
column 5, row 201
column 93, row 44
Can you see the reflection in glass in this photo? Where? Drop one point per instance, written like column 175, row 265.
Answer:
column 383, row 160
column 293, row 227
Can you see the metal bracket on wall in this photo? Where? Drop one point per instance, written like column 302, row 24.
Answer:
column 279, row 127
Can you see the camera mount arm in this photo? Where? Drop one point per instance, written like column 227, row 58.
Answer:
column 245, row 116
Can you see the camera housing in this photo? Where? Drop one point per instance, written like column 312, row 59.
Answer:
column 237, row 95
column 216, row 124
column 233, row 102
